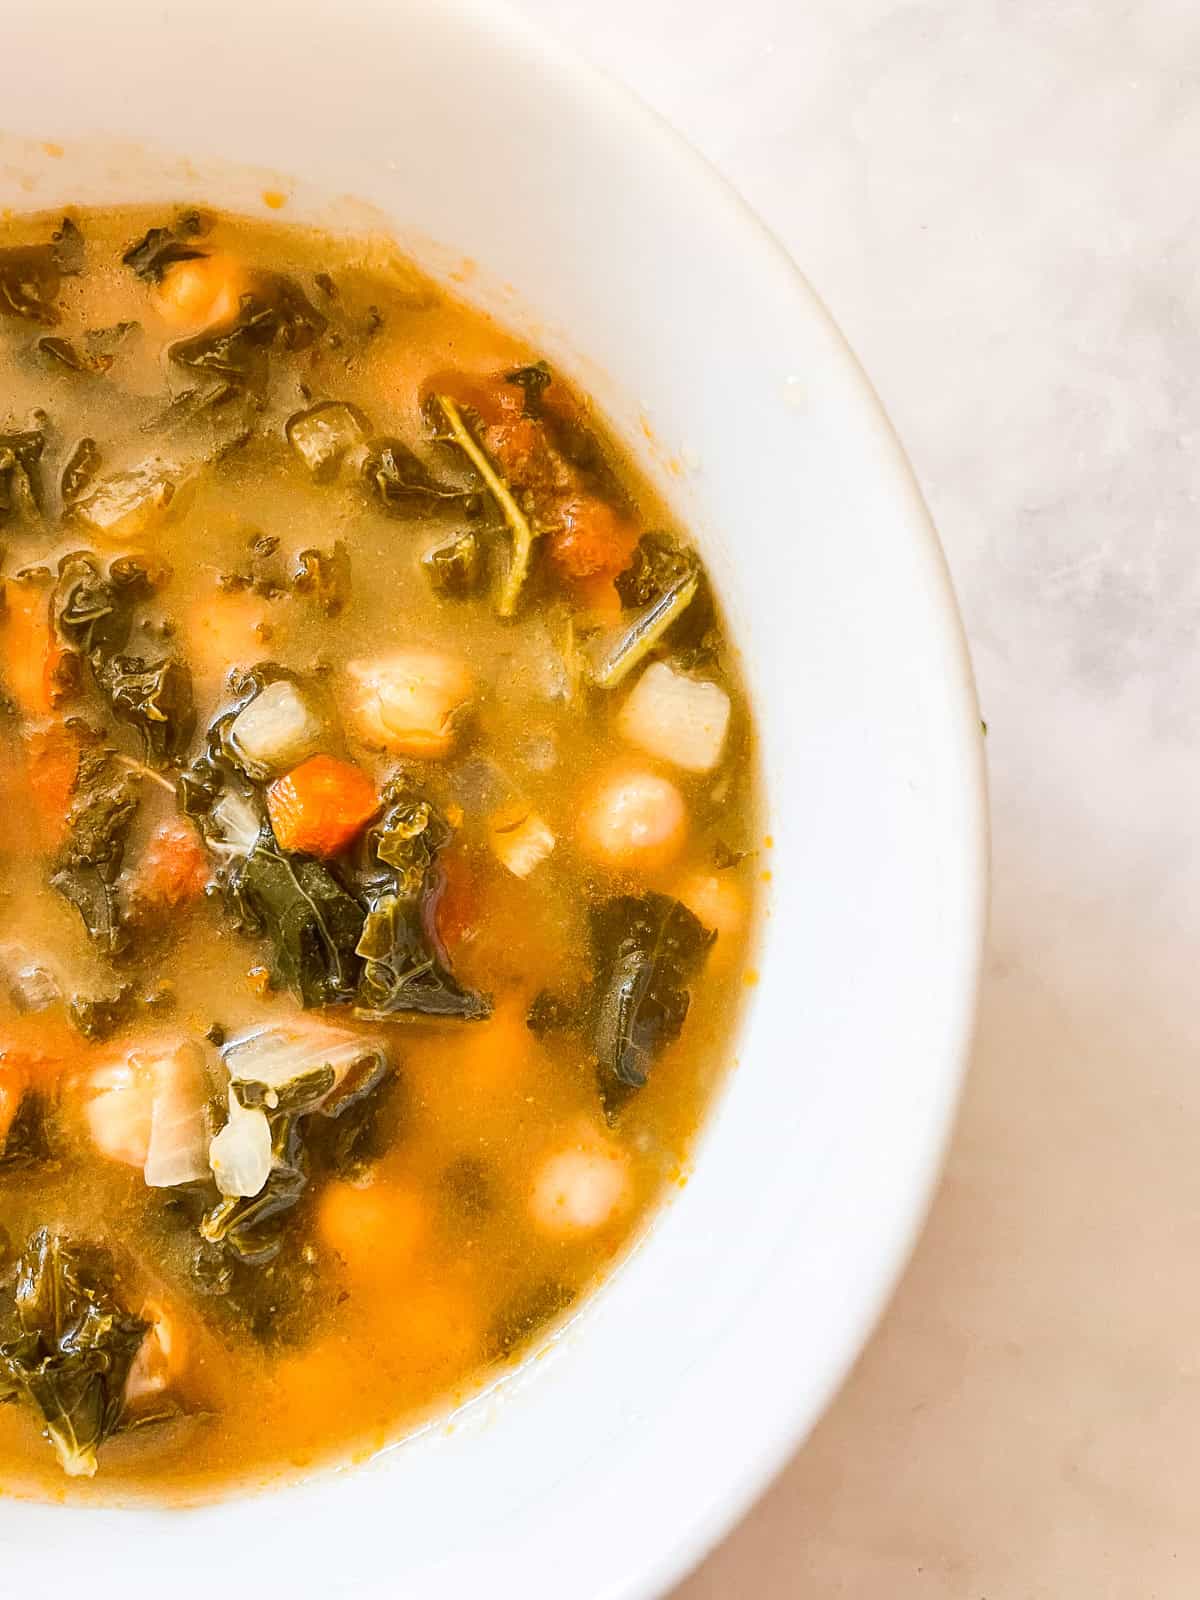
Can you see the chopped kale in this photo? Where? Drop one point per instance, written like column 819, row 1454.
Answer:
column 20, row 452
column 311, row 923
column 88, row 610
column 30, row 277
column 324, row 575
column 405, row 969
column 403, row 484
column 28, row 1138
column 98, row 353
column 155, row 697
column 456, row 569
column 79, row 472
column 666, row 580
column 103, row 804
column 97, row 1017
column 68, row 1344
column 236, row 353
column 467, row 1189
column 646, row 949
column 534, row 380
column 157, row 250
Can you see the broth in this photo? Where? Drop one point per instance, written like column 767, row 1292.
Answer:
column 380, row 870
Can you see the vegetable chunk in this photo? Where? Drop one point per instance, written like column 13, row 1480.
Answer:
column 632, row 821
column 411, row 702
column 676, row 718
column 320, row 806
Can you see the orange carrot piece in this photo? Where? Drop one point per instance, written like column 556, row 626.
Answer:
column 320, row 806
column 33, row 657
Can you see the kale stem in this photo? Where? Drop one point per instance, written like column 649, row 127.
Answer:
column 146, row 772
column 518, row 524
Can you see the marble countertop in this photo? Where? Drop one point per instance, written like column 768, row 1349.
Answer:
column 997, row 201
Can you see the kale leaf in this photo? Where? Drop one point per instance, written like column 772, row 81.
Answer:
column 534, row 380
column 28, row 1138
column 405, row 970
column 527, row 1311
column 91, row 611
column 103, row 804
column 311, row 922
column 155, row 697
column 455, row 569
column 68, row 1345
column 665, row 578
column 157, row 250
column 81, row 468
column 403, row 484
column 325, row 576
column 645, row 951
column 20, row 452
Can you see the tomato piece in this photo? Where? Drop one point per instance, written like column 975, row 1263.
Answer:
column 173, row 870
column 590, row 538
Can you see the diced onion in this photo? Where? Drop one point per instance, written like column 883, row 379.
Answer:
column 176, row 1150
column 521, row 843
column 277, row 730
column 240, row 1155
column 276, row 1057
column 679, row 719
column 237, row 823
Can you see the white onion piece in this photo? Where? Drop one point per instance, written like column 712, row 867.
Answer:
column 237, row 824
column 176, row 1151
column 521, row 843
column 276, row 1057
column 240, row 1155
column 679, row 719
column 148, row 1110
column 276, row 731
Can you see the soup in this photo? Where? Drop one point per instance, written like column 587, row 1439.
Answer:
column 380, row 860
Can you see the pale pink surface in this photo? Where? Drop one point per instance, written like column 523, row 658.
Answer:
column 995, row 204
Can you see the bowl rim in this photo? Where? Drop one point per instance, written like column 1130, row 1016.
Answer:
column 651, row 1569
column 791, row 1426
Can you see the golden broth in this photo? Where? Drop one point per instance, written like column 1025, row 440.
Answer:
column 400, row 1286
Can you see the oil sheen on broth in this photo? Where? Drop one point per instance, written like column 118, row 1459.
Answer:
column 379, row 864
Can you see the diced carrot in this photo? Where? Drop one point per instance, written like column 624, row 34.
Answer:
column 321, row 805
column 588, row 538
column 599, row 598
column 33, row 657
column 441, row 1329
column 488, row 396
column 173, row 869
column 41, row 1045
column 377, row 1228
column 498, row 1053
column 51, row 767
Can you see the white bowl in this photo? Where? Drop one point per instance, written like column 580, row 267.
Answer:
column 623, row 1453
